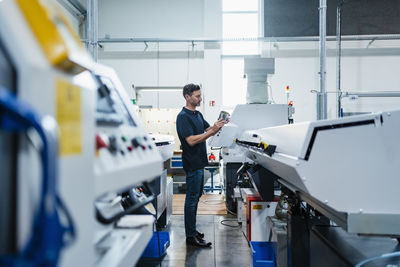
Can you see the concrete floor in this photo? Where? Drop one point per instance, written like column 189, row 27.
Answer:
column 230, row 247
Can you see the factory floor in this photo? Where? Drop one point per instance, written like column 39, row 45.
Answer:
column 229, row 248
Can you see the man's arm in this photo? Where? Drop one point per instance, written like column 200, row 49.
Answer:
column 197, row 139
column 210, row 131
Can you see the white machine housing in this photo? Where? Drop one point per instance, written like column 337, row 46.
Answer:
column 37, row 84
column 257, row 113
column 83, row 173
column 249, row 117
column 165, row 145
column 347, row 168
column 257, row 70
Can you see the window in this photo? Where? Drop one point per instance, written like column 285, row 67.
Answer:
column 239, row 5
column 234, row 85
column 240, row 20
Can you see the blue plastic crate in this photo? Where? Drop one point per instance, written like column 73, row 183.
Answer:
column 176, row 162
column 157, row 246
column 263, row 253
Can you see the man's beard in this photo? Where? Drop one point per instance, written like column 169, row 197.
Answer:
column 196, row 104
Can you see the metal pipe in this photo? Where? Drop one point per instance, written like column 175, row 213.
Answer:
column 322, row 110
column 77, row 5
column 256, row 39
column 338, row 57
column 91, row 29
column 89, row 26
column 95, row 30
column 77, row 11
column 372, row 94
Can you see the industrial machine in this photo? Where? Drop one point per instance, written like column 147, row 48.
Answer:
column 260, row 109
column 163, row 185
column 338, row 178
column 165, row 144
column 104, row 152
column 126, row 160
column 342, row 171
column 340, row 165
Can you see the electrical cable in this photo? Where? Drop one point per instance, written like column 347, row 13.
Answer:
column 231, row 212
column 229, row 225
column 49, row 236
column 213, row 201
column 383, row 256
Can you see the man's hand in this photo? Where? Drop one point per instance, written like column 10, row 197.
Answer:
column 210, row 131
column 216, row 127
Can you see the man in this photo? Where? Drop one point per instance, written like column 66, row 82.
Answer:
column 193, row 131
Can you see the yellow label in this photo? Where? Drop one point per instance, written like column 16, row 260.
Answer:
column 257, row 207
column 68, row 105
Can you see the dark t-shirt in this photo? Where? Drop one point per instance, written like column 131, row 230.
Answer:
column 190, row 123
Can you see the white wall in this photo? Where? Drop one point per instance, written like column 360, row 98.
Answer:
column 151, row 18
column 164, row 64
column 375, row 68
column 297, row 64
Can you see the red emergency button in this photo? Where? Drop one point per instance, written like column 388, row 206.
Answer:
column 100, row 142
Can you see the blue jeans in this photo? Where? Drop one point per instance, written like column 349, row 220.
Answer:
column 194, row 190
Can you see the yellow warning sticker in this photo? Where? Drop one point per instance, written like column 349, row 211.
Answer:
column 257, row 207
column 68, row 112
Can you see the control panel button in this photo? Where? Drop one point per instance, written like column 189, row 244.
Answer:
column 135, row 142
column 100, row 142
column 113, row 146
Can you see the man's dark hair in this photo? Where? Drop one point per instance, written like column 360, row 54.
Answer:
column 188, row 89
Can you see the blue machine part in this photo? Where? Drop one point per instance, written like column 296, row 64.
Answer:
column 48, row 236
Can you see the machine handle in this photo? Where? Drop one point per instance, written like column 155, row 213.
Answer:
column 131, row 209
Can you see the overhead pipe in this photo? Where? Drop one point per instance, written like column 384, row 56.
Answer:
column 372, row 94
column 364, row 94
column 255, row 39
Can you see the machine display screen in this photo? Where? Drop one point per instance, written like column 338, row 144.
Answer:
column 111, row 110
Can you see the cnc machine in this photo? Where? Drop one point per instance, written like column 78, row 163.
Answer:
column 104, row 153
column 259, row 110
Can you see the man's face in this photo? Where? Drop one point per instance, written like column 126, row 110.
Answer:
column 195, row 98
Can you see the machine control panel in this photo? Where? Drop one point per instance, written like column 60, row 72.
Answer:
column 124, row 152
column 121, row 145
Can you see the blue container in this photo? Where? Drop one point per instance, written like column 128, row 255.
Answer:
column 263, row 253
column 176, row 162
column 157, row 247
